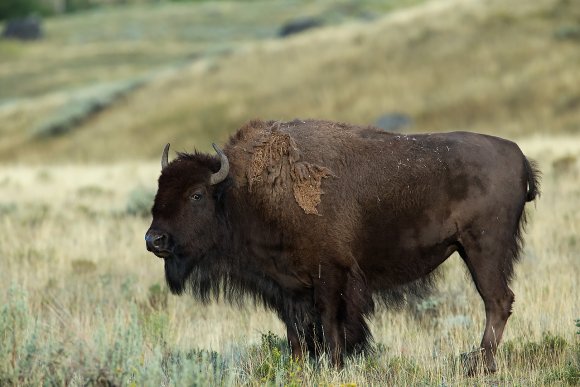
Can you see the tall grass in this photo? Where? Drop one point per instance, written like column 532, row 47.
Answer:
column 84, row 303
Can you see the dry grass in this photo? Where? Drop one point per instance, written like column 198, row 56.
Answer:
column 123, row 44
column 84, row 303
column 67, row 241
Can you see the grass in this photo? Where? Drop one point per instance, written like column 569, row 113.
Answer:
column 81, row 106
column 83, row 301
column 110, row 44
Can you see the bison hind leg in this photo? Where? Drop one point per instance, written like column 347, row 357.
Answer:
column 490, row 261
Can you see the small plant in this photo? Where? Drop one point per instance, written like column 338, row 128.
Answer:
column 425, row 310
column 140, row 202
column 565, row 164
column 93, row 191
column 157, row 296
column 155, row 326
column 553, row 343
column 20, row 8
column 535, row 352
column 82, row 106
column 8, row 208
column 195, row 367
column 375, row 363
column 83, row 266
column 270, row 353
column 568, row 32
column 570, row 372
column 271, row 362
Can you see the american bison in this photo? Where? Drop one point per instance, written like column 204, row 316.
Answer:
column 319, row 220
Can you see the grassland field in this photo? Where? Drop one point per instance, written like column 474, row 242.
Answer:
column 83, row 303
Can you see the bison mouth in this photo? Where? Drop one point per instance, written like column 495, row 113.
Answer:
column 163, row 253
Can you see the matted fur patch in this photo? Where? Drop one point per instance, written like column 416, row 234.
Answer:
column 276, row 162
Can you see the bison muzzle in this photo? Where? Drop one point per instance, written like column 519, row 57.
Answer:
column 319, row 220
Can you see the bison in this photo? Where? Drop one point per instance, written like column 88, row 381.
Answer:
column 320, row 220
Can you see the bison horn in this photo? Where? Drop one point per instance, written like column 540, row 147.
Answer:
column 220, row 175
column 165, row 157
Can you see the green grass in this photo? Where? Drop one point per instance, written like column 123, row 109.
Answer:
column 82, row 106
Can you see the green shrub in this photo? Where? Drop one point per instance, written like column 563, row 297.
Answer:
column 570, row 372
column 540, row 353
column 83, row 266
column 82, row 106
column 20, row 8
column 8, row 208
column 92, row 191
column 26, row 353
column 568, row 32
column 140, row 202
column 271, row 362
column 195, row 368
column 78, row 5
column 157, row 296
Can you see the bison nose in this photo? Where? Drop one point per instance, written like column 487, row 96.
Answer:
column 156, row 241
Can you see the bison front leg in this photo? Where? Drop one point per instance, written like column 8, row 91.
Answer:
column 294, row 341
column 304, row 341
column 328, row 299
column 343, row 301
column 331, row 332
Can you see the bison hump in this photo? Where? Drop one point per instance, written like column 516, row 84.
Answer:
column 276, row 168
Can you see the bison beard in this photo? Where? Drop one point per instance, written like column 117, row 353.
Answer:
column 177, row 273
column 318, row 220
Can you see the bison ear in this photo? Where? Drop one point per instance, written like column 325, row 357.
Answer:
column 165, row 157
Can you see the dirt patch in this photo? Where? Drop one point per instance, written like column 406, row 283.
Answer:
column 276, row 163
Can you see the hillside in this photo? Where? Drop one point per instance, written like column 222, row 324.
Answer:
column 493, row 67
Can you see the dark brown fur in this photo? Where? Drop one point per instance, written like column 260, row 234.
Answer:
column 317, row 219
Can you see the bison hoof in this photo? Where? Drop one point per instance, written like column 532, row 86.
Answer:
column 475, row 362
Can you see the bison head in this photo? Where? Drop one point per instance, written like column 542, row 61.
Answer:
column 185, row 228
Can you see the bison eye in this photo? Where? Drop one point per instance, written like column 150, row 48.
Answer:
column 196, row 196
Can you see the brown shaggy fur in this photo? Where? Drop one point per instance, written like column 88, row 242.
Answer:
column 276, row 164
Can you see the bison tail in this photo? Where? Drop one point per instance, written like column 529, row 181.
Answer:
column 533, row 175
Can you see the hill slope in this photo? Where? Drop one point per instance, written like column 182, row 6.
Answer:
column 493, row 67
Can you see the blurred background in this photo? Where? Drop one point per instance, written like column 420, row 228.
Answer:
column 107, row 80
column 91, row 91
